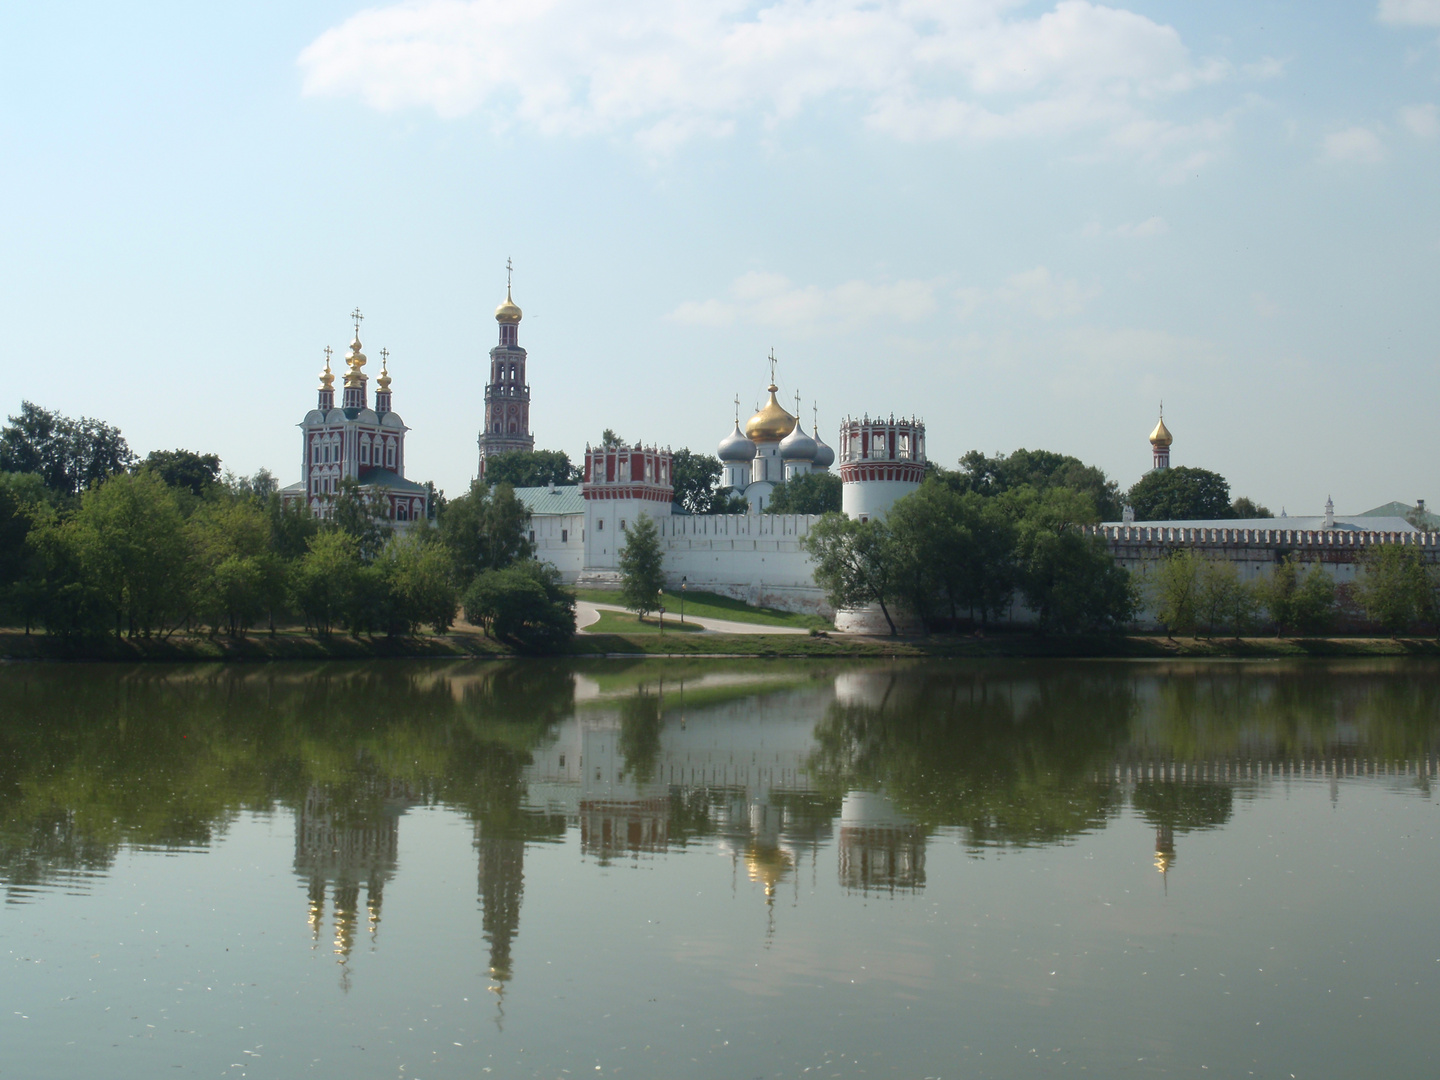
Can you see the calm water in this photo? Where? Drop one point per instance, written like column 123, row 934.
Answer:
column 719, row 870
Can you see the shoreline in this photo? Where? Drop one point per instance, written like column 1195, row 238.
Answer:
column 17, row 647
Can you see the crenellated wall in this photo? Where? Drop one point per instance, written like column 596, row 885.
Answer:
column 752, row 557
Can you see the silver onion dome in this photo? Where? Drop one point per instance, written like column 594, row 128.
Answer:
column 736, row 447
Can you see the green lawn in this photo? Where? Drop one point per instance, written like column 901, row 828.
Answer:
column 623, row 622
column 707, row 604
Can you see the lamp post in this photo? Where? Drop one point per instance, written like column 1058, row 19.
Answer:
column 661, row 594
column 682, row 599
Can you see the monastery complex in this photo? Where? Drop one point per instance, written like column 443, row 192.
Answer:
column 755, row 556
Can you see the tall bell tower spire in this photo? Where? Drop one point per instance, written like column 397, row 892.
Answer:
column 506, row 423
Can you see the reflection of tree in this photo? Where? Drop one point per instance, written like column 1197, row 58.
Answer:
column 1011, row 758
column 639, row 742
column 1183, row 807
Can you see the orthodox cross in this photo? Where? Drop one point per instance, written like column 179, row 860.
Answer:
column 384, row 361
column 328, row 351
column 737, row 410
column 797, row 404
column 509, row 266
column 772, row 365
column 815, row 418
column 358, row 320
column 1162, row 408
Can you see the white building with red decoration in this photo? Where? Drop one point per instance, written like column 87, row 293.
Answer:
column 358, row 443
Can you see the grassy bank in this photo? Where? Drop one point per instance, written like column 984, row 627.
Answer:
column 294, row 645
column 704, row 605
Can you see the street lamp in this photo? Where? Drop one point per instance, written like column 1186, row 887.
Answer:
column 661, row 594
column 682, row 599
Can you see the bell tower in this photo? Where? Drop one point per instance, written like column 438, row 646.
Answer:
column 506, row 424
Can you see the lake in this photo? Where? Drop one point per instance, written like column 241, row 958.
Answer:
column 719, row 869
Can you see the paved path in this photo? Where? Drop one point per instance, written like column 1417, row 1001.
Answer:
column 587, row 614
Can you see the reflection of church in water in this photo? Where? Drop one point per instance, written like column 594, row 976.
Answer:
column 346, row 841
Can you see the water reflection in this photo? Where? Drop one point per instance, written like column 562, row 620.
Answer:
column 776, row 766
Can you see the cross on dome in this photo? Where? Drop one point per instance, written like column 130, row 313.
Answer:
column 772, row 364
column 358, row 319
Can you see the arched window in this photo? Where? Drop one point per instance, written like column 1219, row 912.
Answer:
column 512, row 427
column 400, row 512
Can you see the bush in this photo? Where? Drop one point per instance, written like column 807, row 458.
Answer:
column 522, row 605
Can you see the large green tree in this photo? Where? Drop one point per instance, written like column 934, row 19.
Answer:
column 696, row 478
column 1395, row 588
column 855, row 563
column 642, row 570
column 1068, row 578
column 70, row 455
column 484, row 529
column 808, row 493
column 531, row 468
column 523, row 605
column 185, row 469
column 1180, row 494
column 1041, row 470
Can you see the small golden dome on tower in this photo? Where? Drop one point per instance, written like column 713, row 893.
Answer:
column 383, row 382
column 509, row 311
column 355, row 360
column 772, row 423
column 327, row 377
column 1161, row 435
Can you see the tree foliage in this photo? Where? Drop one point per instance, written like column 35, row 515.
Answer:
column 696, row 478
column 185, row 469
column 523, row 605
column 484, row 529
column 69, row 455
column 856, row 563
column 531, row 468
column 642, row 571
column 1180, row 494
column 1396, row 589
column 808, row 493
column 1041, row 470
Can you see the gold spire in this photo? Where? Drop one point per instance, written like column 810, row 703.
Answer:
column 1161, row 435
column 327, row 377
column 382, row 384
column 509, row 311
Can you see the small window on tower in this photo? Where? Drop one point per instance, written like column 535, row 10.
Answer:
column 600, row 525
column 622, row 524
column 564, row 536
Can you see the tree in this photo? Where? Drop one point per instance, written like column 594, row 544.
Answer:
column 808, row 493
column 1315, row 602
column 235, row 576
column 1180, row 494
column 523, row 605
column 70, row 455
column 1041, row 470
column 854, row 563
column 609, row 439
column 1245, row 508
column 130, row 538
column 484, row 529
column 642, row 571
column 696, row 479
column 1222, row 599
column 1395, row 587
column 355, row 511
column 531, row 468
column 1301, row 602
column 1068, row 578
column 326, row 579
column 1176, row 589
column 419, row 585
column 186, row 469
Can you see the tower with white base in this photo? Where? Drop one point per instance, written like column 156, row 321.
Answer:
column 880, row 461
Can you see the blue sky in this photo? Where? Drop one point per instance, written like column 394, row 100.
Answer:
column 1025, row 222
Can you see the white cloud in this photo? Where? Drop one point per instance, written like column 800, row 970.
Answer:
column 774, row 300
column 1421, row 120
column 666, row 72
column 1037, row 291
column 1410, row 12
column 1356, row 144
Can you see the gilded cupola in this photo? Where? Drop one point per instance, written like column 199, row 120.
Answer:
column 509, row 311
column 355, row 361
column 772, row 423
column 1161, row 435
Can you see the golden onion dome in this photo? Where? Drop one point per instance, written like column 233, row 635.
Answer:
column 1161, row 435
column 772, row 423
column 327, row 377
column 355, row 360
column 509, row 311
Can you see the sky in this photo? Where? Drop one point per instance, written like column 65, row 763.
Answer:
column 1026, row 223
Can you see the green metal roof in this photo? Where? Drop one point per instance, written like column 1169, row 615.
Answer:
column 542, row 501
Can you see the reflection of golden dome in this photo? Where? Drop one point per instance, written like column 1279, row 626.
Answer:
column 509, row 311
column 767, row 864
column 772, row 423
column 1161, row 435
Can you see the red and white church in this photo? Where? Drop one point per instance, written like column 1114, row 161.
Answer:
column 356, row 442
